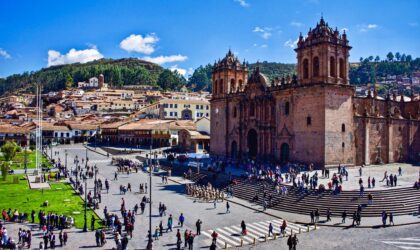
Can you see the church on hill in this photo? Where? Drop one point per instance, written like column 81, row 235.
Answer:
column 313, row 117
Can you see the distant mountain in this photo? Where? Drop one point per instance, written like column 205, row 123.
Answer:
column 117, row 72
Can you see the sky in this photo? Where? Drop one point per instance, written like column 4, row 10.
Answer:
column 184, row 34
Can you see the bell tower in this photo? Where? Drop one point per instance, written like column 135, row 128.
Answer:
column 229, row 76
column 323, row 56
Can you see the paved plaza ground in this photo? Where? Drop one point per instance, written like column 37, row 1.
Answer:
column 227, row 225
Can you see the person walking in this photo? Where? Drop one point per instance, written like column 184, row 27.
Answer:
column 214, row 237
column 270, row 229
column 295, row 242
column 391, row 219
column 312, row 214
column 283, row 227
column 186, row 238
column 170, row 223
column 227, row 207
column 343, row 216
column 198, row 226
column 290, row 242
column 181, row 220
column 243, row 227
column 328, row 214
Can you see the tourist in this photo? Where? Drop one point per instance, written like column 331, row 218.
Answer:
column 328, row 214
column 186, row 234
column 360, row 171
column 395, row 180
column 373, row 182
column 295, row 242
column 170, row 223
column 399, row 171
column 370, row 199
column 243, row 227
column 190, row 241
column 65, row 238
column 181, row 220
column 312, row 214
column 290, row 242
column 316, row 215
column 270, row 229
column 283, row 227
column 384, row 218
column 343, row 216
column 198, row 226
column 391, row 219
column 227, row 207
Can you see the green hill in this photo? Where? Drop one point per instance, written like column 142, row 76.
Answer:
column 116, row 72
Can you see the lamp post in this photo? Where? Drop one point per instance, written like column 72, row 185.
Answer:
column 26, row 158
column 85, row 224
column 86, row 160
column 94, row 189
column 51, row 145
column 150, row 242
column 66, row 160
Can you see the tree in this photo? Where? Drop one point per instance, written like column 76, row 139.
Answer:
column 169, row 80
column 398, row 56
column 377, row 59
column 361, row 59
column 408, row 58
column 69, row 82
column 403, row 57
column 390, row 56
column 370, row 58
column 9, row 152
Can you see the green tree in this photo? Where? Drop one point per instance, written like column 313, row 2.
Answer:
column 69, row 82
column 9, row 152
column 398, row 56
column 169, row 80
column 390, row 56
column 377, row 59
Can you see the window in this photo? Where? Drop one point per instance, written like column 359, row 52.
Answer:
column 234, row 112
column 343, row 127
column 207, row 107
column 316, row 67
column 165, row 105
column 215, row 87
column 308, row 120
column 201, row 107
column 176, row 106
column 332, row 66
column 286, row 108
column 170, row 114
column 342, row 145
column 176, row 114
column 221, row 87
column 305, row 69
column 197, row 106
column 342, row 68
column 251, row 109
column 232, row 85
column 207, row 114
column 165, row 114
column 171, row 105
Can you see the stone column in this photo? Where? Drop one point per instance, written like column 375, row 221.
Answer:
column 366, row 142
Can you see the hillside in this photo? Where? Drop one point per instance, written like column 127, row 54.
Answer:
column 116, row 72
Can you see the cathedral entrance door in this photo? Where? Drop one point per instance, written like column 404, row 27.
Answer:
column 284, row 155
column 234, row 150
column 252, row 143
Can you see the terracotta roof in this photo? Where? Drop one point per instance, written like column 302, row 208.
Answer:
column 53, row 127
column 198, row 135
column 189, row 101
column 83, row 126
column 10, row 129
column 112, row 125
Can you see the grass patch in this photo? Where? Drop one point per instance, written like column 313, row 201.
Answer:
column 19, row 160
column 19, row 196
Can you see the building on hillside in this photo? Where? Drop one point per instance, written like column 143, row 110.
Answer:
column 184, row 109
column 312, row 118
column 94, row 83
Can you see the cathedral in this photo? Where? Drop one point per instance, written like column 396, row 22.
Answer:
column 314, row 117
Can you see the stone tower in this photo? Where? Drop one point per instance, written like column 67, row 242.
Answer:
column 228, row 79
column 229, row 76
column 323, row 56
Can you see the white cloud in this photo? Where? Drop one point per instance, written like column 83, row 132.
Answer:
column 138, row 43
column 73, row 56
column 4, row 54
column 165, row 59
column 264, row 46
column 344, row 29
column 366, row 28
column 296, row 24
column 176, row 68
column 264, row 32
column 243, row 3
column 291, row 44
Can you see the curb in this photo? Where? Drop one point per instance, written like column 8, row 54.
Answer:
column 93, row 150
column 303, row 223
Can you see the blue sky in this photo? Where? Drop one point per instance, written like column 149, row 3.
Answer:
column 184, row 34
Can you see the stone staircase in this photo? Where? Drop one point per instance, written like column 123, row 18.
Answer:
column 401, row 201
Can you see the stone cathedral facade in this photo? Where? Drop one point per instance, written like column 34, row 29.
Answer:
column 313, row 117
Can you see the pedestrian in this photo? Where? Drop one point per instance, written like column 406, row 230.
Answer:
column 290, row 242
column 312, row 216
column 243, row 227
column 65, row 238
column 170, row 222
column 328, row 214
column 399, row 171
column 360, row 171
column 215, row 203
column 156, row 236
column 270, row 229
column 283, row 227
column 214, row 237
column 227, row 207
column 60, row 238
column 343, row 216
column 181, row 220
column 98, row 238
column 295, row 242
column 190, row 241
column 186, row 238
column 198, row 226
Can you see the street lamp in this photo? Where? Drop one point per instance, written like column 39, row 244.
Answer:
column 66, row 159
column 94, row 189
column 150, row 242
column 85, row 224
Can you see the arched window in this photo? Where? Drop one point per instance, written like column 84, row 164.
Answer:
column 221, row 87
column 240, row 85
column 343, row 127
column 215, row 88
column 234, row 112
column 286, row 108
column 251, row 109
column 342, row 68
column 305, row 69
column 332, row 67
column 342, row 145
column 232, row 85
column 316, row 67
column 308, row 120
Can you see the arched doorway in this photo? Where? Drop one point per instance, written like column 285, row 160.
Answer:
column 284, row 152
column 234, row 150
column 252, row 143
column 186, row 114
